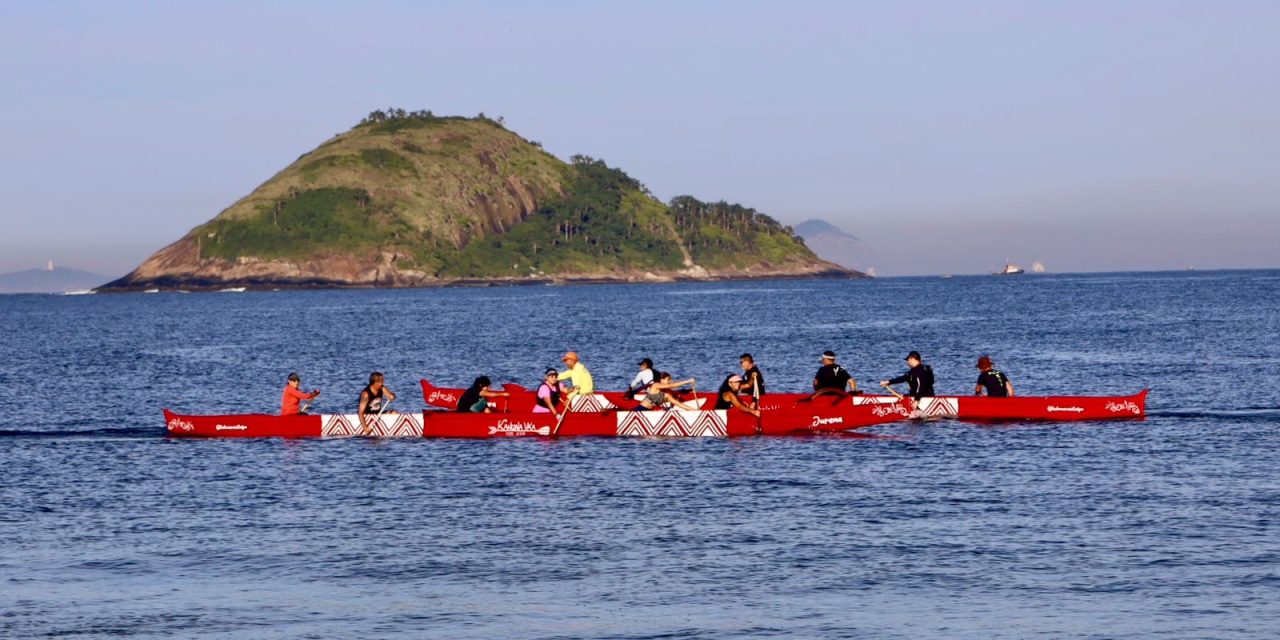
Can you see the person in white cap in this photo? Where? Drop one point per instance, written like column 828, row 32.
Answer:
column 727, row 397
column 831, row 377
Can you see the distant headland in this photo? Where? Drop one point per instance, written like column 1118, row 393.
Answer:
column 411, row 199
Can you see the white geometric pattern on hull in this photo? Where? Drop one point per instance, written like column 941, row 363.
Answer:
column 673, row 423
column 388, row 425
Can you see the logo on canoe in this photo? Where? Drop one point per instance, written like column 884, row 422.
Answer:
column 230, row 427
column 441, row 395
column 178, row 424
column 1053, row 409
column 513, row 427
column 819, row 421
column 882, row 410
column 1121, row 407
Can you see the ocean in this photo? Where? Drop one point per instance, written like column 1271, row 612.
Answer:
column 1163, row 528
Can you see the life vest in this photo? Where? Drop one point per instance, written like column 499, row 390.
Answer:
column 557, row 398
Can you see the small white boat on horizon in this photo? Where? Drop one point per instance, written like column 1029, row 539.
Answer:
column 234, row 290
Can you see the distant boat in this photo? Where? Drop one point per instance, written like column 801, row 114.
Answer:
column 234, row 290
column 1010, row 269
column 1038, row 267
column 152, row 291
column 82, row 292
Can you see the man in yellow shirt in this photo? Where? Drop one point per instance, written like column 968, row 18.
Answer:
column 576, row 375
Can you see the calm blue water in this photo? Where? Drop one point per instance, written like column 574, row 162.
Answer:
column 1166, row 528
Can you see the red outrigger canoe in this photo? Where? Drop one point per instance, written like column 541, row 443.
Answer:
column 971, row 408
column 592, row 416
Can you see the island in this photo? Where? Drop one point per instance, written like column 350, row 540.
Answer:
column 411, row 199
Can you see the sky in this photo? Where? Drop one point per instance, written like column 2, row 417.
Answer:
column 948, row 136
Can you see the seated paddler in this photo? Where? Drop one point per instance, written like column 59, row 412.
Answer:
column 476, row 398
column 292, row 396
column 727, row 396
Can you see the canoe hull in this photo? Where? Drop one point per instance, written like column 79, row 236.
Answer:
column 595, row 418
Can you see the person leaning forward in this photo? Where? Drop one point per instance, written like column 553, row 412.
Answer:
column 919, row 377
column 832, row 378
column 727, row 397
column 577, row 375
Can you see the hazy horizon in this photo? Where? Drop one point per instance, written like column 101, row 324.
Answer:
column 949, row 137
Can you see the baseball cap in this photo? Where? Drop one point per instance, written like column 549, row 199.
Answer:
column 913, row 354
column 984, row 362
column 646, row 362
column 829, row 354
column 293, row 376
column 570, row 355
column 735, row 378
column 550, row 372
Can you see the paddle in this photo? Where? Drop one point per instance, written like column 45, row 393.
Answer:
column 307, row 405
column 560, row 418
column 755, row 392
column 367, row 430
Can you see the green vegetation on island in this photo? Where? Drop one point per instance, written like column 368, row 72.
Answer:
column 416, row 198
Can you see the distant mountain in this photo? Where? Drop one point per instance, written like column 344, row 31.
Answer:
column 834, row 244
column 55, row 280
column 413, row 199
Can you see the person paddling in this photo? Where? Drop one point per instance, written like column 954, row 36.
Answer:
column 550, row 395
column 991, row 380
column 476, row 398
column 644, row 378
column 577, row 375
column 659, row 395
column 919, row 377
column 832, row 378
column 727, row 396
column 374, row 399
column 289, row 400
column 752, row 379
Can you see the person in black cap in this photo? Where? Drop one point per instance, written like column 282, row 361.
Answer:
column 991, row 380
column 831, row 377
column 640, row 384
column 752, row 379
column 919, row 377
column 289, row 400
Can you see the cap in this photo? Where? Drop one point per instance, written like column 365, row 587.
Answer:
column 829, row 354
column 984, row 362
column 646, row 363
column 550, row 372
column 735, row 378
column 913, row 354
column 293, row 377
column 570, row 355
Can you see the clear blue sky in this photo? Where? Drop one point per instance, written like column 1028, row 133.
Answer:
column 947, row 135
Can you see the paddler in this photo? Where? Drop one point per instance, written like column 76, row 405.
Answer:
column 577, row 375
column 550, row 395
column 476, row 398
column 727, row 397
column 919, row 377
column 832, row 378
column 292, row 395
column 644, row 378
column 992, row 381
column 374, row 399
column 752, row 379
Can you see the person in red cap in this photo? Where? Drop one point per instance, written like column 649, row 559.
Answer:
column 992, row 381
column 577, row 375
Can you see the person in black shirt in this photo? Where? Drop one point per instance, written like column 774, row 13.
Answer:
column 995, row 383
column 476, row 398
column 832, row 377
column 752, row 379
column 727, row 396
column 919, row 378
